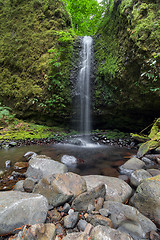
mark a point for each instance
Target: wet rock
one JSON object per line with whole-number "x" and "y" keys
{"x": 147, "y": 198}
{"x": 71, "y": 220}
{"x": 131, "y": 165}
{"x": 83, "y": 200}
{"x": 147, "y": 161}
{"x": 99, "y": 220}
{"x": 124, "y": 178}
{"x": 102, "y": 233}
{"x": 77, "y": 236}
{"x": 12, "y": 144}
{"x": 82, "y": 225}
{"x": 29, "y": 184}
{"x": 116, "y": 189}
{"x": 154, "y": 172}
{"x": 129, "y": 219}
{"x": 19, "y": 186}
{"x": 68, "y": 160}
{"x": 28, "y": 155}
{"x": 17, "y": 175}
{"x": 20, "y": 165}
{"x": 109, "y": 171}
{"x": 18, "y": 209}
{"x": 42, "y": 166}
{"x": 138, "y": 176}
{"x": 147, "y": 146}
{"x": 61, "y": 188}
{"x": 7, "y": 164}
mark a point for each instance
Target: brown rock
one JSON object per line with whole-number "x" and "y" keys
{"x": 20, "y": 165}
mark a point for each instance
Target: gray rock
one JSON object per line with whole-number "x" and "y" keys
{"x": 104, "y": 212}
{"x": 18, "y": 209}
{"x": 154, "y": 172}
{"x": 96, "y": 220}
{"x": 37, "y": 232}
{"x": 147, "y": 198}
{"x": 71, "y": 220}
{"x": 116, "y": 189}
{"x": 7, "y": 164}
{"x": 19, "y": 186}
{"x": 29, "y": 184}
{"x": 82, "y": 225}
{"x": 131, "y": 165}
{"x": 90, "y": 208}
{"x": 12, "y": 144}
{"x": 147, "y": 161}
{"x": 29, "y": 155}
{"x": 61, "y": 188}
{"x": 138, "y": 176}
{"x": 76, "y": 236}
{"x": 83, "y": 200}
{"x": 69, "y": 160}
{"x": 107, "y": 233}
{"x": 66, "y": 208}
{"x": 43, "y": 166}
{"x": 129, "y": 219}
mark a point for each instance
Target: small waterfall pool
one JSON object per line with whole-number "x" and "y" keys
{"x": 90, "y": 159}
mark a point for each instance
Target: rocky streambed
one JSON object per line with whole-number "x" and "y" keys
{"x": 52, "y": 203}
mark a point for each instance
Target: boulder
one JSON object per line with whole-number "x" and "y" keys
{"x": 107, "y": 233}
{"x": 147, "y": 198}
{"x": 77, "y": 236}
{"x": 116, "y": 189}
{"x": 129, "y": 219}
{"x": 138, "y": 176}
{"x": 83, "y": 200}
{"x": 131, "y": 165}
{"x": 43, "y": 166}
{"x": 69, "y": 160}
{"x": 18, "y": 209}
{"x": 60, "y": 188}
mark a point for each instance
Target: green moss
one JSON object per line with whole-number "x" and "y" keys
{"x": 20, "y": 130}
{"x": 27, "y": 33}
{"x": 127, "y": 51}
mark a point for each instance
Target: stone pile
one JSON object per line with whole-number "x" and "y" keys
{"x": 52, "y": 204}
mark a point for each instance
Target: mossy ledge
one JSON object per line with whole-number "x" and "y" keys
{"x": 34, "y": 82}
{"x": 127, "y": 51}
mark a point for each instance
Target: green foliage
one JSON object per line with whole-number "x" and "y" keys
{"x": 28, "y": 30}
{"x": 6, "y": 115}
{"x": 86, "y": 15}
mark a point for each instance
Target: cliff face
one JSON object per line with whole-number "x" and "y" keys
{"x": 35, "y": 58}
{"x": 127, "y": 87}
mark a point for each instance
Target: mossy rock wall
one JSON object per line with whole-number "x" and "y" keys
{"x": 33, "y": 81}
{"x": 127, "y": 86}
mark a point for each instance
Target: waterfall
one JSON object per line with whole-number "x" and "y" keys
{"x": 83, "y": 87}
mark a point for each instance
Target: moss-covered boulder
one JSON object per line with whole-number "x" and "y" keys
{"x": 147, "y": 198}
{"x": 127, "y": 52}
{"x": 36, "y": 41}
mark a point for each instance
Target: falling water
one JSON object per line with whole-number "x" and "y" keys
{"x": 84, "y": 86}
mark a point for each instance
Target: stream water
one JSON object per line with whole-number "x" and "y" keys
{"x": 91, "y": 159}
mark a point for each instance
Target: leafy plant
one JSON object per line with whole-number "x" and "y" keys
{"x": 5, "y": 115}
